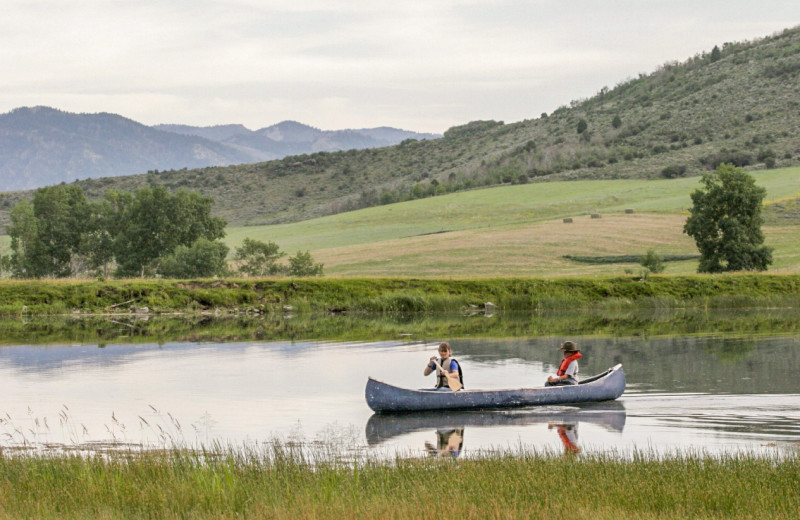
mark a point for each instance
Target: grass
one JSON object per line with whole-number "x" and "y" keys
{"x": 518, "y": 230}
{"x": 278, "y": 481}
{"x": 394, "y": 295}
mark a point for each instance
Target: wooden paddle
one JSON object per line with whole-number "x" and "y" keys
{"x": 452, "y": 381}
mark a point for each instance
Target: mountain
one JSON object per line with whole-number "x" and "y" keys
{"x": 42, "y": 146}
{"x": 293, "y": 138}
{"x": 738, "y": 103}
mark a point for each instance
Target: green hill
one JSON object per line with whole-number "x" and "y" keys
{"x": 738, "y": 103}
{"x": 519, "y": 230}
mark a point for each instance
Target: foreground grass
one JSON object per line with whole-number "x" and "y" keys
{"x": 277, "y": 483}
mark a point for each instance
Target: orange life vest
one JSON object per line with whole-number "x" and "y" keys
{"x": 566, "y": 361}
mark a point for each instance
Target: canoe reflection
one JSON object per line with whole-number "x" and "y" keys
{"x": 383, "y": 427}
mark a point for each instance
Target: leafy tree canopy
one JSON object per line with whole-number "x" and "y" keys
{"x": 725, "y": 221}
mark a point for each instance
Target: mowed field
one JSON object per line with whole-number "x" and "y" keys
{"x": 519, "y": 230}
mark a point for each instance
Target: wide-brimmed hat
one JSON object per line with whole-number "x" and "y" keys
{"x": 569, "y": 346}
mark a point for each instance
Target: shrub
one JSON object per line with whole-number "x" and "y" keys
{"x": 671, "y": 172}
{"x": 303, "y": 265}
{"x": 203, "y": 259}
{"x": 652, "y": 261}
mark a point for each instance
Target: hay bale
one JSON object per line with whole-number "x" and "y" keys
{"x": 567, "y": 220}
{"x": 629, "y": 211}
{"x": 595, "y": 215}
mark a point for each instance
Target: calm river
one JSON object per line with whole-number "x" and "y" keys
{"x": 699, "y": 392}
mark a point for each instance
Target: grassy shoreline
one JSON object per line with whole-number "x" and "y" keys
{"x": 275, "y": 482}
{"x": 391, "y": 295}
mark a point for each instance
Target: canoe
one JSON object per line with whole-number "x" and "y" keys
{"x": 381, "y": 427}
{"x": 383, "y": 397}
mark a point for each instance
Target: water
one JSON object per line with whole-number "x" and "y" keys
{"x": 699, "y": 393}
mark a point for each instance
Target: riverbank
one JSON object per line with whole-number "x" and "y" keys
{"x": 389, "y": 295}
{"x": 278, "y": 482}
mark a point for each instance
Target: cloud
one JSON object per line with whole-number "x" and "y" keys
{"x": 421, "y": 65}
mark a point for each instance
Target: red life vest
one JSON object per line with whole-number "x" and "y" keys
{"x": 566, "y": 361}
{"x": 568, "y": 444}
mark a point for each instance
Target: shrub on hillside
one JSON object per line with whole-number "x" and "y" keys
{"x": 671, "y": 172}
{"x": 733, "y": 157}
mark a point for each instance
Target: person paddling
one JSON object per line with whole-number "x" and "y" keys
{"x": 452, "y": 370}
{"x": 568, "y": 370}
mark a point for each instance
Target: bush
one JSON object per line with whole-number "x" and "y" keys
{"x": 203, "y": 259}
{"x": 303, "y": 265}
{"x": 671, "y": 172}
{"x": 652, "y": 261}
{"x": 733, "y": 157}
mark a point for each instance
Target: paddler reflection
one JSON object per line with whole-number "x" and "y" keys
{"x": 449, "y": 443}
{"x": 568, "y": 433}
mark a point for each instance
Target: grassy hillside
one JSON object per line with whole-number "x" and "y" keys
{"x": 738, "y": 105}
{"x": 518, "y": 230}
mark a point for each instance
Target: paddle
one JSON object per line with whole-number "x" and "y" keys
{"x": 452, "y": 381}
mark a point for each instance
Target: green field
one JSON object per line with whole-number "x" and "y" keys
{"x": 518, "y": 230}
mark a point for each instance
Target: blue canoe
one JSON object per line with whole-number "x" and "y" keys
{"x": 383, "y": 397}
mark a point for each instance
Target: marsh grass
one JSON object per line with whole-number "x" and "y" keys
{"x": 276, "y": 480}
{"x": 394, "y": 295}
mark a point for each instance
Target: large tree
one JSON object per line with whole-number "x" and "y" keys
{"x": 152, "y": 223}
{"x": 47, "y": 232}
{"x": 725, "y": 221}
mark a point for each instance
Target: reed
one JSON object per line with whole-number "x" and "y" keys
{"x": 275, "y": 480}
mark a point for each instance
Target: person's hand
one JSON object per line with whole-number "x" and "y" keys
{"x": 433, "y": 358}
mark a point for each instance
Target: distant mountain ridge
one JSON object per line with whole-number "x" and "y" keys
{"x": 293, "y": 138}
{"x": 42, "y": 146}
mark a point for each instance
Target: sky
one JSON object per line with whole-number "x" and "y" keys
{"x": 421, "y": 65}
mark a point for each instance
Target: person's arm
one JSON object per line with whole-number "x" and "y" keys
{"x": 431, "y": 366}
{"x": 557, "y": 378}
{"x": 453, "y": 368}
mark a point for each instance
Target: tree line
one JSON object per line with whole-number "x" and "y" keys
{"x": 147, "y": 233}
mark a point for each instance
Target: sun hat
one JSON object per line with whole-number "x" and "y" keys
{"x": 569, "y": 346}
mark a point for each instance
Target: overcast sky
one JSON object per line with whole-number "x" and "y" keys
{"x": 418, "y": 65}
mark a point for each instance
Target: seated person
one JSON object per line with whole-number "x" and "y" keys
{"x": 450, "y": 365}
{"x": 568, "y": 370}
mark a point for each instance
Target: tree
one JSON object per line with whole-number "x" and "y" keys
{"x": 616, "y": 122}
{"x": 203, "y": 259}
{"x": 258, "y": 258}
{"x": 716, "y": 54}
{"x": 152, "y": 223}
{"x": 46, "y": 233}
{"x": 303, "y": 265}
{"x": 725, "y": 221}
{"x": 582, "y": 126}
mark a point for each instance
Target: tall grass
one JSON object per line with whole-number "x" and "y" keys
{"x": 392, "y": 295}
{"x": 278, "y": 481}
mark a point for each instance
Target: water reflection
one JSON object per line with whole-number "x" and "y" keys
{"x": 448, "y": 427}
{"x": 568, "y": 433}
{"x": 449, "y": 443}
{"x": 700, "y": 390}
